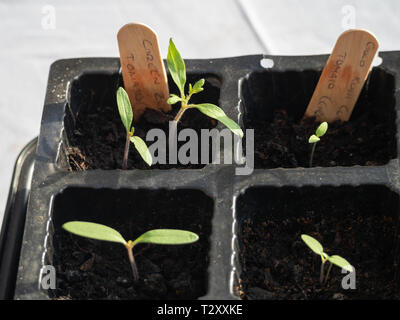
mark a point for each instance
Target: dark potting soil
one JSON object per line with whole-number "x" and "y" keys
{"x": 97, "y": 139}
{"x": 278, "y": 265}
{"x": 366, "y": 141}
{"x": 274, "y": 104}
{"x": 90, "y": 269}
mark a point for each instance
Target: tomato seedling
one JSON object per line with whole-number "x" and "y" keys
{"x": 157, "y": 236}
{"x": 321, "y": 130}
{"x": 317, "y": 248}
{"x": 177, "y": 69}
{"x": 126, "y": 114}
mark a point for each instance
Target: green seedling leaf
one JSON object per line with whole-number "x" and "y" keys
{"x": 313, "y": 139}
{"x": 141, "y": 147}
{"x": 124, "y": 108}
{"x": 198, "y": 86}
{"x": 94, "y": 231}
{"x": 176, "y": 67}
{"x": 174, "y": 99}
{"x": 313, "y": 244}
{"x": 217, "y": 113}
{"x": 341, "y": 263}
{"x": 167, "y": 236}
{"x": 321, "y": 130}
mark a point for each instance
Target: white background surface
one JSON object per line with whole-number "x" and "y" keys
{"x": 33, "y": 34}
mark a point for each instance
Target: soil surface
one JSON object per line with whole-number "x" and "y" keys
{"x": 366, "y": 141}
{"x": 90, "y": 269}
{"x": 97, "y": 139}
{"x": 278, "y": 265}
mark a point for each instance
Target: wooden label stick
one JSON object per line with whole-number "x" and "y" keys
{"x": 343, "y": 76}
{"x": 143, "y": 70}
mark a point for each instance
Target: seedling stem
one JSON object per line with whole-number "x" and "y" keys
{"x": 321, "y": 130}
{"x": 129, "y": 246}
{"x": 180, "y": 112}
{"x": 126, "y": 151}
{"x": 312, "y": 153}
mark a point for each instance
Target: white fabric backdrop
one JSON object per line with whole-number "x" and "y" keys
{"x": 33, "y": 34}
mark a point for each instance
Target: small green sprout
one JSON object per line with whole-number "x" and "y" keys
{"x": 177, "y": 68}
{"x": 317, "y": 248}
{"x": 157, "y": 236}
{"x": 321, "y": 130}
{"x": 126, "y": 114}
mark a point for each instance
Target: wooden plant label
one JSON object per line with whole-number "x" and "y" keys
{"x": 143, "y": 70}
{"x": 343, "y": 76}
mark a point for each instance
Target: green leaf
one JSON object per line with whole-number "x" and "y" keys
{"x": 141, "y": 147}
{"x": 167, "y": 236}
{"x": 313, "y": 139}
{"x": 94, "y": 231}
{"x": 341, "y": 262}
{"x": 321, "y": 130}
{"x": 176, "y": 67}
{"x": 313, "y": 244}
{"x": 198, "y": 86}
{"x": 216, "y": 112}
{"x": 173, "y": 99}
{"x": 124, "y": 108}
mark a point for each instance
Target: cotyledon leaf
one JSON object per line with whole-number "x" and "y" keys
{"x": 124, "y": 108}
{"x": 341, "y": 262}
{"x": 313, "y": 244}
{"x": 167, "y": 236}
{"x": 94, "y": 231}
{"x": 141, "y": 147}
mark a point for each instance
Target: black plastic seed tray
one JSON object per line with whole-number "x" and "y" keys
{"x": 246, "y": 90}
{"x": 12, "y": 227}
